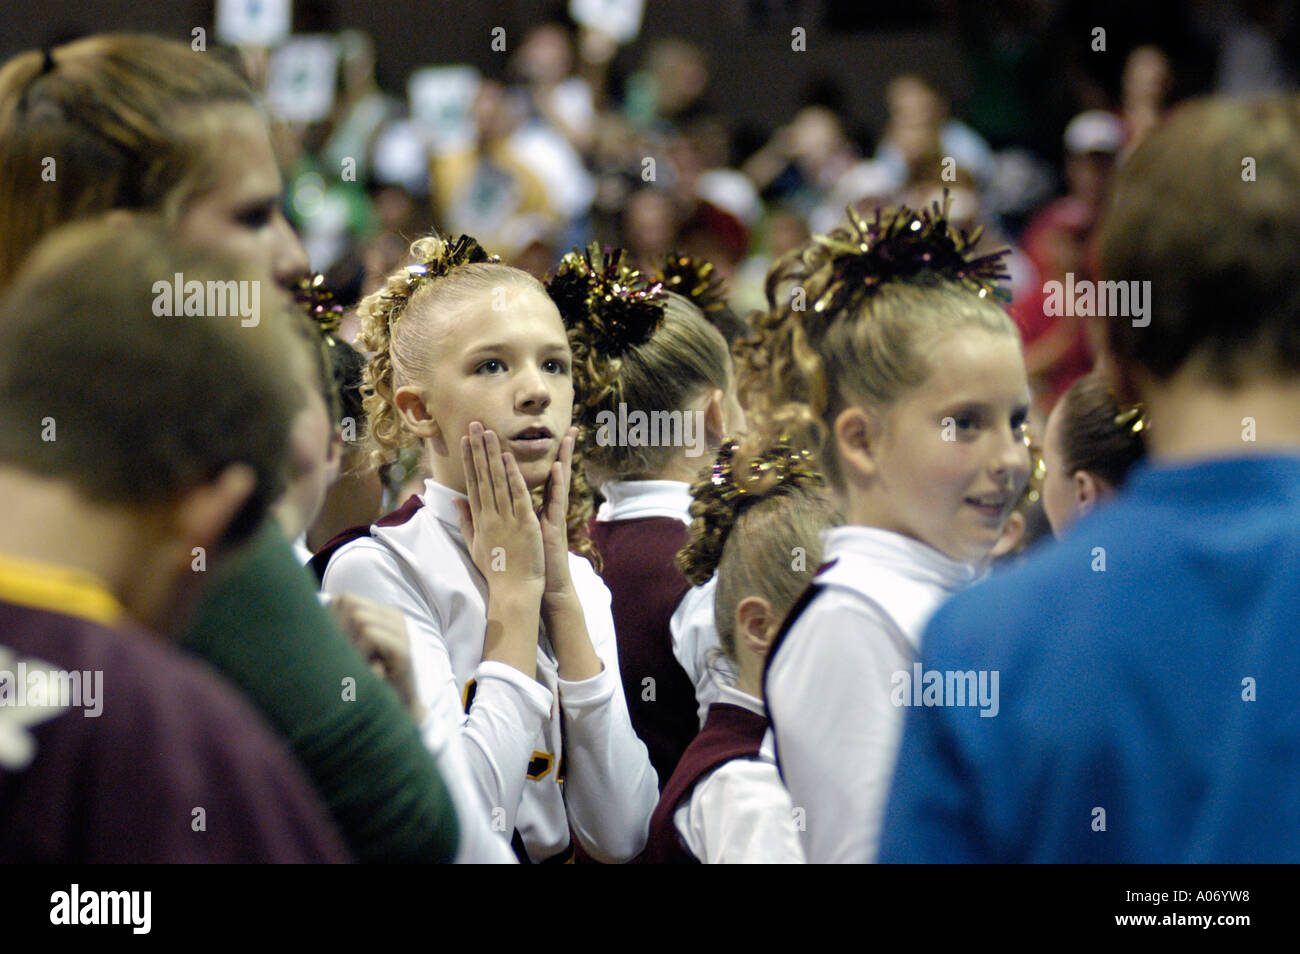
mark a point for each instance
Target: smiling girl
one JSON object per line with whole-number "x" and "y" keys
{"x": 472, "y": 362}
{"x": 907, "y": 380}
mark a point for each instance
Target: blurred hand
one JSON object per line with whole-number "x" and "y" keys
{"x": 379, "y": 634}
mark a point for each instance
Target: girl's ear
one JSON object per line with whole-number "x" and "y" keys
{"x": 756, "y": 625}
{"x": 857, "y": 439}
{"x": 415, "y": 414}
{"x": 715, "y": 419}
{"x": 1088, "y": 490}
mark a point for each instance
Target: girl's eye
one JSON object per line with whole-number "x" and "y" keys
{"x": 555, "y": 366}
{"x": 967, "y": 422}
{"x": 1019, "y": 421}
{"x": 256, "y": 218}
{"x": 491, "y": 366}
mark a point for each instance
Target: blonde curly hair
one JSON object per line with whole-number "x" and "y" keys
{"x": 400, "y": 327}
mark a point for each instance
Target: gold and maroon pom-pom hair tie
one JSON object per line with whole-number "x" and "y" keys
{"x": 721, "y": 495}
{"x": 611, "y": 306}
{"x": 696, "y": 280}
{"x": 318, "y": 303}
{"x": 777, "y": 466}
{"x": 462, "y": 250}
{"x": 899, "y": 244}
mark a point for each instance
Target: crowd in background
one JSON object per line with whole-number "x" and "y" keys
{"x": 563, "y": 150}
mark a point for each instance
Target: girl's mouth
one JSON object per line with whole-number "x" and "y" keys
{"x": 533, "y": 441}
{"x": 992, "y": 508}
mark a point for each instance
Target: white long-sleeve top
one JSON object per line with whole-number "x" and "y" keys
{"x": 829, "y": 684}
{"x": 694, "y": 634}
{"x": 740, "y": 813}
{"x": 479, "y": 842}
{"x": 518, "y": 733}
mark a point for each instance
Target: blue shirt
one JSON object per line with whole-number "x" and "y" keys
{"x": 1149, "y": 682}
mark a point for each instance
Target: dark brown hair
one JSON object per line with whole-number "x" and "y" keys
{"x": 1090, "y": 438}
{"x": 130, "y": 406}
{"x": 1207, "y": 209}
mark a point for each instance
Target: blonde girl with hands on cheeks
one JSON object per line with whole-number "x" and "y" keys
{"x": 884, "y": 352}
{"x": 512, "y": 641}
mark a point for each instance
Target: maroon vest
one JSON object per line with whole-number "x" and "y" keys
{"x": 336, "y": 543}
{"x": 730, "y": 732}
{"x": 646, "y": 587}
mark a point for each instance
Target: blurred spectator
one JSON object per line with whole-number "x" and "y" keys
{"x": 669, "y": 90}
{"x": 1057, "y": 241}
{"x": 557, "y": 126}
{"x": 1254, "y": 48}
{"x": 1147, "y": 82}
{"x": 544, "y": 63}
{"x": 919, "y": 126}
{"x": 803, "y": 162}
{"x": 484, "y": 189}
{"x": 784, "y": 231}
{"x": 651, "y": 220}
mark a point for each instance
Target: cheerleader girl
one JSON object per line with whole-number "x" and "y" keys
{"x": 471, "y": 360}
{"x": 884, "y": 351}
{"x": 672, "y": 382}
{"x": 1092, "y": 442}
{"x": 757, "y": 523}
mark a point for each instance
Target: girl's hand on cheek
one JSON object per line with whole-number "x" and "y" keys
{"x": 503, "y": 533}
{"x": 555, "y": 512}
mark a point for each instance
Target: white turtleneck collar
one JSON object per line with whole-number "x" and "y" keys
{"x": 438, "y": 499}
{"x": 635, "y": 499}
{"x": 918, "y": 560}
{"x": 906, "y": 579}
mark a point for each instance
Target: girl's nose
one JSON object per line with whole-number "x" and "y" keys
{"x": 288, "y": 257}
{"x": 1012, "y": 461}
{"x": 533, "y": 390}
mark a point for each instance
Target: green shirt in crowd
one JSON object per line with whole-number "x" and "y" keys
{"x": 261, "y": 626}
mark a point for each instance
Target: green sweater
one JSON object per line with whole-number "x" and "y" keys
{"x": 261, "y": 625}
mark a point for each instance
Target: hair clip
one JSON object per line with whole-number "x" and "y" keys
{"x": 318, "y": 303}
{"x": 1132, "y": 418}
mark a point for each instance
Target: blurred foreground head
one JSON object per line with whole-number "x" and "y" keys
{"x": 163, "y": 431}
{"x": 121, "y": 121}
{"x": 1207, "y": 210}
